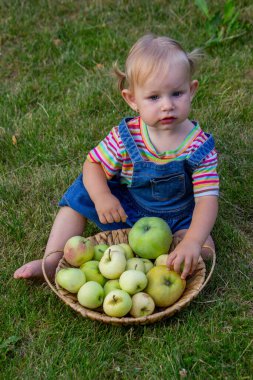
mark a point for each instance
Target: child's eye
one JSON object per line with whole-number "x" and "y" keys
{"x": 153, "y": 97}
{"x": 177, "y": 93}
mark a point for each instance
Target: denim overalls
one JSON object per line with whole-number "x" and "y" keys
{"x": 164, "y": 191}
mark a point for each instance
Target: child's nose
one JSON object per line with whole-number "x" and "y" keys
{"x": 167, "y": 105}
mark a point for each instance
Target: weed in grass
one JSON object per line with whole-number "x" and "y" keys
{"x": 222, "y": 25}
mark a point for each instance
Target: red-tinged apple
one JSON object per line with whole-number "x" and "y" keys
{"x": 99, "y": 250}
{"x": 147, "y": 265}
{"x": 128, "y": 250}
{"x": 117, "y": 303}
{"x": 133, "y": 281}
{"x": 92, "y": 272}
{"x": 150, "y": 237}
{"x": 162, "y": 259}
{"x": 78, "y": 250}
{"x": 142, "y": 305}
{"x": 70, "y": 279}
{"x": 111, "y": 285}
{"x": 113, "y": 262}
{"x": 135, "y": 263}
{"x": 91, "y": 295}
{"x": 164, "y": 286}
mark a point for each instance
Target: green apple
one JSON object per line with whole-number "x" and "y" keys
{"x": 78, "y": 250}
{"x": 92, "y": 272}
{"x": 150, "y": 237}
{"x": 111, "y": 285}
{"x": 113, "y": 262}
{"x": 135, "y": 263}
{"x": 99, "y": 250}
{"x": 162, "y": 259}
{"x": 164, "y": 286}
{"x": 70, "y": 279}
{"x": 117, "y": 303}
{"x": 133, "y": 281}
{"x": 128, "y": 250}
{"x": 91, "y": 295}
{"x": 142, "y": 304}
{"x": 147, "y": 265}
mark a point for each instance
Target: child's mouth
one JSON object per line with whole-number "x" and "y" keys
{"x": 167, "y": 120}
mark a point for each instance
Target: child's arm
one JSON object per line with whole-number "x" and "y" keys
{"x": 189, "y": 249}
{"x": 107, "y": 205}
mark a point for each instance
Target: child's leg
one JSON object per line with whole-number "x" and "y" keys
{"x": 67, "y": 223}
{"x": 207, "y": 249}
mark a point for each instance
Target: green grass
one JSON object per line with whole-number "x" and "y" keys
{"x": 58, "y": 100}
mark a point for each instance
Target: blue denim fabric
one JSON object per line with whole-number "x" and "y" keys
{"x": 164, "y": 191}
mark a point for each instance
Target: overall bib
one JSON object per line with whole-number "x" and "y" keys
{"x": 163, "y": 191}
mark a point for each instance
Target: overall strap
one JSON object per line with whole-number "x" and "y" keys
{"x": 195, "y": 159}
{"x": 128, "y": 141}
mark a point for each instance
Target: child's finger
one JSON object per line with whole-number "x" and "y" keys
{"x": 102, "y": 219}
{"x": 123, "y": 215}
{"x": 177, "y": 264}
{"x": 187, "y": 268}
{"x": 194, "y": 264}
{"x": 109, "y": 218}
{"x": 171, "y": 259}
{"x": 116, "y": 216}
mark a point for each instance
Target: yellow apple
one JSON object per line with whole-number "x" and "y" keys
{"x": 70, "y": 279}
{"x": 91, "y": 295}
{"x": 111, "y": 285}
{"x": 164, "y": 286}
{"x": 128, "y": 250}
{"x": 92, "y": 272}
{"x": 162, "y": 259}
{"x": 142, "y": 304}
{"x": 113, "y": 262}
{"x": 99, "y": 250}
{"x": 135, "y": 263}
{"x": 147, "y": 265}
{"x": 117, "y": 303}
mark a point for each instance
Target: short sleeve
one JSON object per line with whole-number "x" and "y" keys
{"x": 205, "y": 178}
{"x": 108, "y": 153}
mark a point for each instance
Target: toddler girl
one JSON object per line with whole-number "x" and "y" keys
{"x": 159, "y": 163}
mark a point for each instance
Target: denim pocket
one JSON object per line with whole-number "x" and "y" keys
{"x": 165, "y": 188}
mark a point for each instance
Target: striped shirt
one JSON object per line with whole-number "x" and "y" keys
{"x": 113, "y": 157}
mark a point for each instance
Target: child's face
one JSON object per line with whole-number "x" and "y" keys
{"x": 164, "y": 101}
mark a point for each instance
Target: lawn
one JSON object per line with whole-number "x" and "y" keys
{"x": 58, "y": 100}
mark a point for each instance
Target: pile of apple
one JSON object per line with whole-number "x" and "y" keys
{"x": 124, "y": 278}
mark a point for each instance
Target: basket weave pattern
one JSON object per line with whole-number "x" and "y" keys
{"x": 194, "y": 285}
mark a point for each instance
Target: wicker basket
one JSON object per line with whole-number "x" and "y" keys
{"x": 194, "y": 285}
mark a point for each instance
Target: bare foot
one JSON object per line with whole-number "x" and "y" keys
{"x": 30, "y": 270}
{"x": 33, "y": 269}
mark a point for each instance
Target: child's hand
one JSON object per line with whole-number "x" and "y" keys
{"x": 109, "y": 209}
{"x": 186, "y": 252}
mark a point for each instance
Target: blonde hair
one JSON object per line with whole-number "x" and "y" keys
{"x": 152, "y": 55}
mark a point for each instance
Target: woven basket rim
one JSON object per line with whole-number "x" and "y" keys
{"x": 194, "y": 285}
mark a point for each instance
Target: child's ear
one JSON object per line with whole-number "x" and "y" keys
{"x": 128, "y": 96}
{"x": 193, "y": 87}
